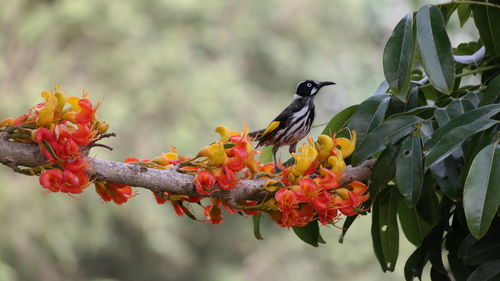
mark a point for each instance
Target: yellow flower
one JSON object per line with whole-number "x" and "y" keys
{"x": 172, "y": 155}
{"x": 46, "y": 114}
{"x": 215, "y": 153}
{"x": 324, "y": 147}
{"x": 165, "y": 158}
{"x": 73, "y": 101}
{"x": 337, "y": 163}
{"x": 226, "y": 133}
{"x": 61, "y": 101}
{"x": 306, "y": 156}
{"x": 347, "y": 146}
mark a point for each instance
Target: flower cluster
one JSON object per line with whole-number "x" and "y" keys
{"x": 63, "y": 127}
{"x": 312, "y": 189}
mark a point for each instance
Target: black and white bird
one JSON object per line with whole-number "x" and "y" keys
{"x": 295, "y": 121}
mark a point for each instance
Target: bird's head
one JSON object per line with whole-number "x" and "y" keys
{"x": 309, "y": 88}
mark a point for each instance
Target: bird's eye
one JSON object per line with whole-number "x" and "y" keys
{"x": 309, "y": 85}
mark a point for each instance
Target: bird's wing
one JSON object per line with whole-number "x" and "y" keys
{"x": 279, "y": 122}
{"x": 270, "y": 128}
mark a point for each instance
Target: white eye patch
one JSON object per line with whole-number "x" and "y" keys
{"x": 309, "y": 85}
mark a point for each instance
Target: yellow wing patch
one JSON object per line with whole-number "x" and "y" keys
{"x": 271, "y": 127}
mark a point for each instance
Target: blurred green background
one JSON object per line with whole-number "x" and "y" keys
{"x": 168, "y": 72}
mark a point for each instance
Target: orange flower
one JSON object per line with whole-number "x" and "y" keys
{"x": 329, "y": 179}
{"x": 308, "y": 190}
{"x": 287, "y": 199}
{"x": 204, "y": 182}
{"x": 119, "y": 193}
{"x": 325, "y": 208}
{"x": 297, "y": 217}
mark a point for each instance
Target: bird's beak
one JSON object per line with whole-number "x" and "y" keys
{"x": 325, "y": 83}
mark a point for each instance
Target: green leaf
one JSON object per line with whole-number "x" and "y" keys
{"x": 425, "y": 112}
{"x": 387, "y": 133}
{"x": 382, "y": 88}
{"x": 446, "y": 174}
{"x": 384, "y": 170}
{"x": 398, "y": 55}
{"x": 487, "y": 20}
{"x": 464, "y": 12}
{"x": 454, "y": 109}
{"x": 481, "y": 190}
{"x": 339, "y": 121}
{"x": 453, "y": 139}
{"x": 409, "y": 170}
{"x": 486, "y": 271}
{"x": 459, "y": 269}
{"x": 474, "y": 252}
{"x": 347, "y": 223}
{"x": 396, "y": 106}
{"x": 435, "y": 48}
{"x": 428, "y": 205}
{"x": 256, "y": 226}
{"x": 267, "y": 154}
{"x": 464, "y": 119}
{"x": 309, "y": 233}
{"x": 369, "y": 115}
{"x": 477, "y": 142}
{"x": 412, "y": 99}
{"x": 414, "y": 227}
{"x": 447, "y": 11}
{"x": 385, "y": 234}
{"x": 415, "y": 264}
{"x": 492, "y": 92}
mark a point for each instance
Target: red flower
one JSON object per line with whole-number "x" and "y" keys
{"x": 308, "y": 190}
{"x": 86, "y": 114}
{"x": 213, "y": 213}
{"x": 344, "y": 206}
{"x": 227, "y": 179}
{"x": 83, "y": 135}
{"x": 52, "y": 180}
{"x": 119, "y": 193}
{"x": 159, "y": 198}
{"x": 75, "y": 177}
{"x": 204, "y": 182}
{"x": 330, "y": 180}
{"x": 297, "y": 217}
{"x": 287, "y": 199}
{"x": 357, "y": 195}
{"x": 131, "y": 160}
{"x": 325, "y": 208}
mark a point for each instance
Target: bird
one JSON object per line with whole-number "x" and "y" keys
{"x": 294, "y": 122}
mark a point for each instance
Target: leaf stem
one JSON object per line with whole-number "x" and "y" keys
{"x": 477, "y": 70}
{"x": 488, "y": 4}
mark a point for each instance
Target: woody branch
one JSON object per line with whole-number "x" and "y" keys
{"x": 16, "y": 154}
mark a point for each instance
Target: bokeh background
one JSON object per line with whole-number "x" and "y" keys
{"x": 167, "y": 72}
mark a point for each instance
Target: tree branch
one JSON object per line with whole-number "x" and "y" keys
{"x": 15, "y": 154}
